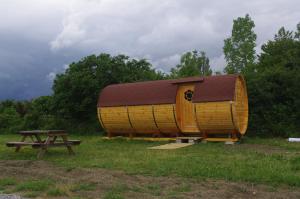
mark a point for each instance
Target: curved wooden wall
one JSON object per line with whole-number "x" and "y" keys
{"x": 165, "y": 118}
{"x": 142, "y": 119}
{"x": 115, "y": 120}
{"x": 240, "y": 106}
{"x": 211, "y": 117}
{"x": 148, "y": 119}
{"x": 214, "y": 117}
{"x": 226, "y": 116}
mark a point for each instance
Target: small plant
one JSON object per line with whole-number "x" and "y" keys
{"x": 83, "y": 187}
{"x": 155, "y": 189}
{"x": 7, "y": 182}
{"x": 116, "y": 192}
{"x": 34, "y": 185}
{"x": 56, "y": 192}
{"x": 113, "y": 195}
{"x": 33, "y": 194}
{"x": 185, "y": 187}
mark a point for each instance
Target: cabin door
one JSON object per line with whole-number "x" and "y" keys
{"x": 185, "y": 109}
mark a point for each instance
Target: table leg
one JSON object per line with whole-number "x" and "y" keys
{"x": 38, "y": 138}
{"x": 44, "y": 147}
{"x": 54, "y": 139}
{"x": 65, "y": 139}
{"x": 22, "y": 140}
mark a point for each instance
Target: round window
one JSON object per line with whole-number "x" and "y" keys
{"x": 188, "y": 95}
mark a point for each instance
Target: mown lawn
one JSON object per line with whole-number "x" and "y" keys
{"x": 266, "y": 161}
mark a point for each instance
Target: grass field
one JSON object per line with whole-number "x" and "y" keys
{"x": 272, "y": 162}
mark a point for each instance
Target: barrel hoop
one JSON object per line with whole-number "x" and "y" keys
{"x": 129, "y": 119}
{"x": 232, "y": 117}
{"x": 175, "y": 119}
{"x": 100, "y": 119}
{"x": 155, "y": 119}
{"x": 196, "y": 118}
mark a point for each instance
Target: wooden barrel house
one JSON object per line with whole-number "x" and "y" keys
{"x": 210, "y": 107}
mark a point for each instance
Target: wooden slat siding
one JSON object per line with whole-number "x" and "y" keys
{"x": 214, "y": 117}
{"x": 234, "y": 122}
{"x": 155, "y": 122}
{"x": 100, "y": 120}
{"x": 131, "y": 133}
{"x": 240, "y": 107}
{"x": 175, "y": 116}
{"x": 142, "y": 119}
{"x": 185, "y": 110}
{"x": 196, "y": 118}
{"x": 115, "y": 120}
{"x": 164, "y": 117}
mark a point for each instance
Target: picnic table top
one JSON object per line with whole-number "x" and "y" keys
{"x": 46, "y": 132}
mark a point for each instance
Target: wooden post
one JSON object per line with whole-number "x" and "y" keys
{"x": 44, "y": 148}
{"x": 65, "y": 139}
{"x": 22, "y": 140}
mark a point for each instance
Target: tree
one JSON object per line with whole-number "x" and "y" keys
{"x": 283, "y": 51}
{"x": 273, "y": 88}
{"x": 239, "y": 48}
{"x": 192, "y": 64}
{"x": 297, "y": 34}
{"x": 76, "y": 91}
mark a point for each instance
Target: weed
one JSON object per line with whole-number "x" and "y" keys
{"x": 34, "y": 185}
{"x": 83, "y": 187}
{"x": 56, "y": 192}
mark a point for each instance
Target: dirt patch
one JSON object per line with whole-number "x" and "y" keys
{"x": 107, "y": 183}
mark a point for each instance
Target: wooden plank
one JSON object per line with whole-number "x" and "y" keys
{"x": 171, "y": 146}
{"x": 115, "y": 120}
{"x": 240, "y": 106}
{"x": 158, "y": 139}
{"x": 17, "y": 144}
{"x": 164, "y": 117}
{"x": 185, "y": 110}
{"x": 214, "y": 117}
{"x": 57, "y": 144}
{"x": 142, "y": 120}
{"x": 221, "y": 139}
{"x": 35, "y": 132}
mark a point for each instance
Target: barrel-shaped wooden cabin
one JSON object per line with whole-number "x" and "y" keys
{"x": 214, "y": 106}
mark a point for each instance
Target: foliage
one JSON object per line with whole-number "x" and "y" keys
{"x": 239, "y": 48}
{"x": 192, "y": 64}
{"x": 10, "y": 119}
{"x": 273, "y": 88}
{"x": 76, "y": 91}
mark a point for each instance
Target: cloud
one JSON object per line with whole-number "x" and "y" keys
{"x": 218, "y": 63}
{"x": 39, "y": 37}
{"x": 51, "y": 76}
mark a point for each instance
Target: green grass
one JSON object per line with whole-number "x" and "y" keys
{"x": 83, "y": 187}
{"x": 34, "y": 185}
{"x": 116, "y": 192}
{"x": 7, "y": 182}
{"x": 56, "y": 192}
{"x": 154, "y": 189}
{"x": 201, "y": 161}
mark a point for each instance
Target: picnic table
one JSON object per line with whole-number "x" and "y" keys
{"x": 51, "y": 140}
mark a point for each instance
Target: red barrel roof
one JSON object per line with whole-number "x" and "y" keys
{"x": 207, "y": 89}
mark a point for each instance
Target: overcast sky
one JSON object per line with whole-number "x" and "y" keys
{"x": 39, "y": 38}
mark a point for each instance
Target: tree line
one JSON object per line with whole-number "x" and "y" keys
{"x": 272, "y": 76}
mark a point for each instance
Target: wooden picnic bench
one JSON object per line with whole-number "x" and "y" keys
{"x": 50, "y": 140}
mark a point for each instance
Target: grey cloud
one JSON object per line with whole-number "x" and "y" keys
{"x": 39, "y": 38}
